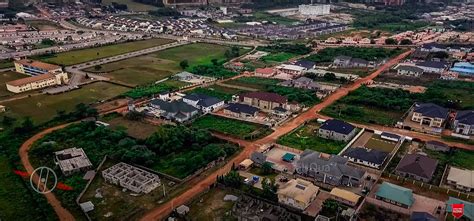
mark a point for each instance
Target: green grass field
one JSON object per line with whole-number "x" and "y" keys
{"x": 156, "y": 66}
{"x": 254, "y": 82}
{"x": 8, "y": 76}
{"x": 365, "y": 114}
{"x": 376, "y": 143}
{"x": 6, "y": 64}
{"x": 229, "y": 126}
{"x": 278, "y": 57}
{"x": 132, "y": 5}
{"x": 224, "y": 93}
{"x": 42, "y": 108}
{"x": 84, "y": 55}
{"x": 306, "y": 138}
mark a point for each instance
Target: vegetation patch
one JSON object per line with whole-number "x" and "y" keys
{"x": 237, "y": 128}
{"x": 306, "y": 137}
{"x": 254, "y": 82}
{"x": 221, "y": 92}
{"x": 6, "y": 77}
{"x": 277, "y": 57}
{"x": 367, "y": 53}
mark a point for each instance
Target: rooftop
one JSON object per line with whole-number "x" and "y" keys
{"x": 38, "y": 64}
{"x": 28, "y": 80}
{"x": 462, "y": 177}
{"x": 468, "y": 207}
{"x": 369, "y": 155}
{"x": 409, "y": 68}
{"x": 338, "y": 126}
{"x": 345, "y": 194}
{"x": 417, "y": 164}
{"x": 242, "y": 108}
{"x": 265, "y": 96}
{"x": 431, "y": 110}
{"x": 298, "y": 189}
{"x": 395, "y": 193}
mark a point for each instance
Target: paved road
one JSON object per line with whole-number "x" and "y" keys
{"x": 61, "y": 212}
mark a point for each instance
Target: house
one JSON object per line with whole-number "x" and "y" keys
{"x": 409, "y": 70}
{"x": 266, "y": 101}
{"x": 241, "y": 110}
{"x": 366, "y": 157}
{"x": 245, "y": 164}
{"x": 390, "y": 136}
{"x": 265, "y": 72}
{"x": 175, "y": 110}
{"x": 329, "y": 169}
{"x": 258, "y": 158}
{"x": 432, "y": 66}
{"x": 461, "y": 179}
{"x": 463, "y": 68}
{"x": 203, "y": 102}
{"x": 288, "y": 71}
{"x": 72, "y": 160}
{"x": 337, "y": 130}
{"x": 422, "y": 216}
{"x": 342, "y": 61}
{"x": 349, "y": 62}
{"x": 237, "y": 66}
{"x": 33, "y": 68}
{"x": 344, "y": 196}
{"x": 429, "y": 114}
{"x": 464, "y": 122}
{"x": 468, "y": 212}
{"x": 301, "y": 82}
{"x": 437, "y": 146}
{"x": 37, "y": 82}
{"x": 281, "y": 112}
{"x": 359, "y": 63}
{"x": 297, "y": 193}
{"x": 396, "y": 195}
{"x": 305, "y": 63}
{"x": 417, "y": 166}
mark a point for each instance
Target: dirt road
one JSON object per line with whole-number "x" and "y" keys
{"x": 61, "y": 212}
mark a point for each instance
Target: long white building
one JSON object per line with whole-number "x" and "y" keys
{"x": 314, "y": 10}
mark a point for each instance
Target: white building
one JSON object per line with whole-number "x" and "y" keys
{"x": 314, "y": 10}
{"x": 289, "y": 71}
{"x": 37, "y": 82}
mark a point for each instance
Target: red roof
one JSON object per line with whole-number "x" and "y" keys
{"x": 265, "y": 96}
{"x": 27, "y": 80}
{"x": 266, "y": 71}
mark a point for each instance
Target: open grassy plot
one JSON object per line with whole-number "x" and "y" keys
{"x": 277, "y": 57}
{"x": 306, "y": 137}
{"x": 211, "y": 206}
{"x": 376, "y": 143}
{"x": 42, "y": 108}
{"x": 43, "y": 25}
{"x": 84, "y": 55}
{"x": 363, "y": 114}
{"x": 263, "y": 16}
{"x": 447, "y": 91}
{"x": 6, "y": 64}
{"x": 231, "y": 127}
{"x": 135, "y": 129}
{"x": 221, "y": 92}
{"x": 132, "y": 5}
{"x": 156, "y": 66}
{"x": 8, "y": 76}
{"x": 254, "y": 82}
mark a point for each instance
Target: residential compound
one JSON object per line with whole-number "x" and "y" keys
{"x": 42, "y": 75}
{"x": 132, "y": 178}
{"x": 396, "y": 195}
{"x": 72, "y": 160}
{"x": 429, "y": 114}
{"x": 266, "y": 101}
{"x": 461, "y": 179}
{"x": 203, "y": 102}
{"x": 337, "y": 130}
{"x": 297, "y": 193}
{"x": 417, "y": 166}
{"x": 464, "y": 123}
{"x": 178, "y": 111}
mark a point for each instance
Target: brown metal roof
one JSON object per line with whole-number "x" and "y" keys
{"x": 265, "y": 96}
{"x": 27, "y": 80}
{"x": 38, "y": 64}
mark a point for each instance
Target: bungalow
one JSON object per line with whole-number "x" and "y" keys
{"x": 329, "y": 169}
{"x": 468, "y": 212}
{"x": 297, "y": 193}
{"x": 432, "y": 66}
{"x": 396, "y": 195}
{"x": 265, "y": 72}
{"x": 281, "y": 112}
{"x": 390, "y": 136}
{"x": 429, "y": 114}
{"x": 366, "y": 157}
{"x": 464, "y": 122}
{"x": 203, "y": 102}
{"x": 342, "y": 61}
{"x": 241, "y": 110}
{"x": 301, "y": 82}
{"x": 337, "y": 130}
{"x": 416, "y": 166}
{"x": 175, "y": 110}
{"x": 305, "y": 63}
{"x": 258, "y": 158}
{"x": 264, "y": 100}
{"x": 461, "y": 179}
{"x": 344, "y": 196}
{"x": 288, "y": 71}
{"x": 409, "y": 70}
{"x": 437, "y": 146}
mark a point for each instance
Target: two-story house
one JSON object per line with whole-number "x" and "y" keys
{"x": 266, "y": 101}
{"x": 409, "y": 70}
{"x": 337, "y": 130}
{"x": 366, "y": 157}
{"x": 203, "y": 102}
{"x": 297, "y": 193}
{"x": 464, "y": 123}
{"x": 429, "y": 114}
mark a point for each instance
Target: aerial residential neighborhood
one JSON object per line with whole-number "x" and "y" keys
{"x": 295, "y": 110}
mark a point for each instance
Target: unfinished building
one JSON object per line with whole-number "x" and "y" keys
{"x": 72, "y": 160}
{"x": 132, "y": 178}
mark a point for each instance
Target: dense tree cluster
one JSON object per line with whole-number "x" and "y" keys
{"x": 301, "y": 96}
{"x": 164, "y": 12}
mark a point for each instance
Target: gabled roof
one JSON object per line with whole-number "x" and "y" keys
{"x": 359, "y": 61}
{"x": 334, "y": 165}
{"x": 27, "y": 80}
{"x": 396, "y": 193}
{"x": 305, "y": 63}
{"x": 417, "y": 164}
{"x": 386, "y": 134}
{"x": 432, "y": 64}
{"x": 258, "y": 157}
{"x": 304, "y": 80}
{"x": 468, "y": 207}
{"x": 409, "y": 68}
{"x": 431, "y": 110}
{"x": 174, "y": 106}
{"x": 337, "y": 126}
{"x": 298, "y": 189}
{"x": 462, "y": 177}
{"x": 242, "y": 108}
{"x": 422, "y": 216}
{"x": 465, "y": 117}
{"x": 368, "y": 155}
{"x": 38, "y": 64}
{"x": 203, "y": 99}
{"x": 265, "y": 96}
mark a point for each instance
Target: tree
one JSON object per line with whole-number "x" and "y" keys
{"x": 330, "y": 76}
{"x": 97, "y": 67}
{"x": 406, "y": 42}
{"x": 390, "y": 41}
{"x": 214, "y": 62}
{"x": 267, "y": 168}
{"x": 330, "y": 206}
{"x": 8, "y": 121}
{"x": 135, "y": 115}
{"x": 184, "y": 64}
{"x": 48, "y": 42}
{"x": 26, "y": 126}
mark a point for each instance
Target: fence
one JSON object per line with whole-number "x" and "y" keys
{"x": 352, "y": 141}
{"x": 387, "y": 205}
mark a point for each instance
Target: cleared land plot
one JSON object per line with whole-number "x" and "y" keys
{"x": 254, "y": 82}
{"x": 84, "y": 55}
{"x": 43, "y": 25}
{"x": 211, "y": 206}
{"x": 362, "y": 113}
{"x": 8, "y": 76}
{"x": 135, "y": 129}
{"x": 159, "y": 65}
{"x": 306, "y": 137}
{"x": 132, "y": 5}
{"x": 218, "y": 91}
{"x": 231, "y": 127}
{"x": 42, "y": 108}
{"x": 375, "y": 142}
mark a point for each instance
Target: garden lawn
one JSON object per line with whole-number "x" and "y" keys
{"x": 263, "y": 16}
{"x": 306, "y": 138}
{"x": 237, "y": 128}
{"x": 8, "y": 76}
{"x": 42, "y": 108}
{"x": 90, "y": 54}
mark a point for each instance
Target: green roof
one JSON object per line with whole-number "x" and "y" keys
{"x": 395, "y": 193}
{"x": 468, "y": 207}
{"x": 288, "y": 157}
